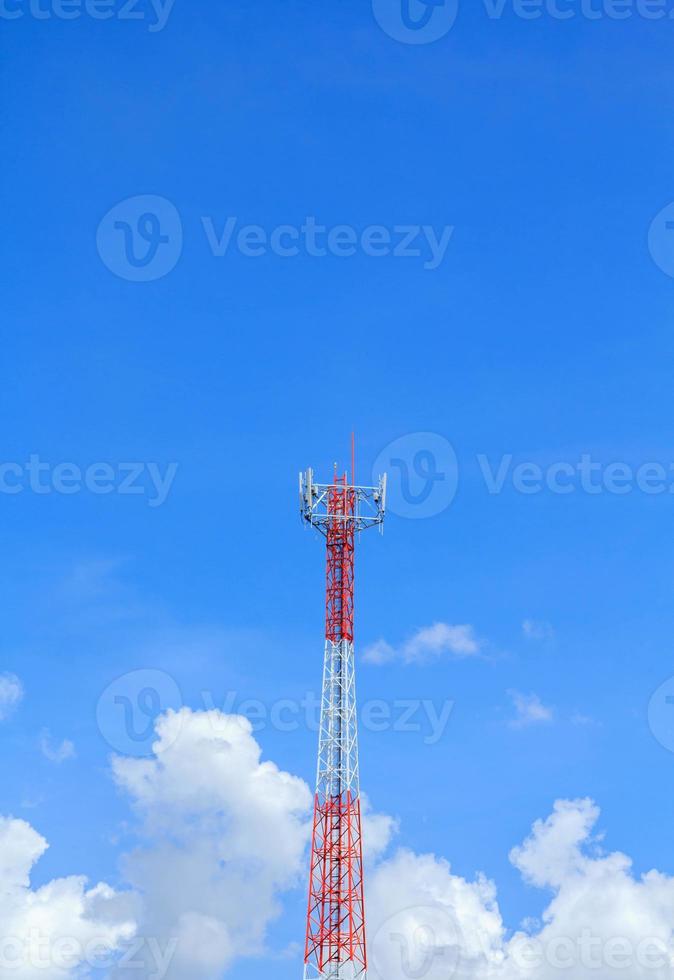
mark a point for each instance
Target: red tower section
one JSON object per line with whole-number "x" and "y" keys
{"x": 340, "y": 553}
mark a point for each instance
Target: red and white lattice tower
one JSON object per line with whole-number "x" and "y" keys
{"x": 335, "y": 938}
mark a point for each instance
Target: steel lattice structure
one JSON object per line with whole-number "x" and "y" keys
{"x": 335, "y": 938}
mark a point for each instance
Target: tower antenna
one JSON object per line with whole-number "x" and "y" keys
{"x": 336, "y": 947}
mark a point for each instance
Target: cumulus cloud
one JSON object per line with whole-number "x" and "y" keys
{"x": 224, "y": 835}
{"x": 553, "y": 852}
{"x": 60, "y": 929}
{"x": 529, "y": 710}
{"x": 11, "y": 693}
{"x": 424, "y": 921}
{"x": 602, "y": 917}
{"x": 379, "y": 829}
{"x": 427, "y": 644}
{"x": 602, "y": 922}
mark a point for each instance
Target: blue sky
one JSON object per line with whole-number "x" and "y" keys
{"x": 544, "y": 332}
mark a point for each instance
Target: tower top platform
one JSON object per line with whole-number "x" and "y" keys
{"x": 324, "y": 504}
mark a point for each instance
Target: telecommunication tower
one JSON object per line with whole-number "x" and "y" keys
{"x": 335, "y": 937}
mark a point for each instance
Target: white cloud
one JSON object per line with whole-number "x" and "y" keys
{"x": 426, "y": 922}
{"x": 581, "y": 720}
{"x": 52, "y": 932}
{"x": 229, "y": 829}
{"x": 56, "y": 753}
{"x": 552, "y": 853}
{"x": 427, "y": 644}
{"x": 602, "y": 922}
{"x": 11, "y": 693}
{"x": 537, "y": 630}
{"x": 378, "y": 831}
{"x": 596, "y": 894}
{"x": 529, "y": 710}
{"x": 378, "y": 653}
{"x": 224, "y": 835}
